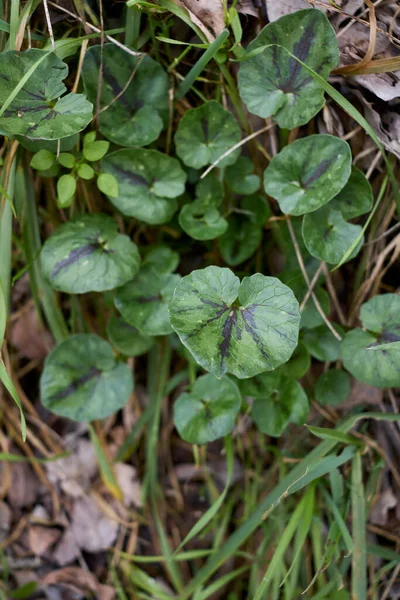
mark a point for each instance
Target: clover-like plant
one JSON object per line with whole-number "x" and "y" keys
{"x": 243, "y": 328}
{"x": 372, "y": 354}
{"x": 133, "y": 94}
{"x": 83, "y": 381}
{"x": 89, "y": 255}
{"x": 148, "y": 184}
{"x": 37, "y": 110}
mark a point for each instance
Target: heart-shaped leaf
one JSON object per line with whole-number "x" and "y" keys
{"x": 322, "y": 344}
{"x": 133, "y": 94}
{"x": 89, "y": 255}
{"x": 231, "y": 327}
{"x": 332, "y": 387}
{"x": 202, "y": 222}
{"x": 355, "y": 198}
{"x": 205, "y": 133}
{"x": 244, "y": 233}
{"x": 308, "y": 173}
{"x": 82, "y": 380}
{"x": 273, "y": 83}
{"x": 148, "y": 182}
{"x": 209, "y": 411}
{"x": 143, "y": 302}
{"x": 162, "y": 258}
{"x": 279, "y": 400}
{"x": 127, "y": 339}
{"x": 310, "y": 316}
{"x": 328, "y": 236}
{"x": 241, "y": 178}
{"x": 37, "y": 111}
{"x": 372, "y": 354}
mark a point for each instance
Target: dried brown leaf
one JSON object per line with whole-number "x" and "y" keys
{"x": 25, "y": 486}
{"x": 129, "y": 484}
{"x": 93, "y": 530}
{"x": 29, "y": 336}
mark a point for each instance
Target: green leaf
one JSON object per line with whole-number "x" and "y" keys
{"x": 126, "y": 338}
{"x": 272, "y": 83}
{"x": 108, "y": 184}
{"x": 135, "y": 117}
{"x": 205, "y": 133}
{"x": 299, "y": 363}
{"x": 231, "y": 327}
{"x": 143, "y": 302}
{"x": 245, "y": 230}
{"x": 360, "y": 350}
{"x": 332, "y": 387}
{"x": 95, "y": 150}
{"x": 64, "y": 144}
{"x": 36, "y": 109}
{"x": 66, "y": 188}
{"x": 209, "y": 411}
{"x": 331, "y": 434}
{"x": 87, "y": 172}
{"x": 328, "y": 236}
{"x": 89, "y": 138}
{"x": 202, "y": 222}
{"x": 279, "y": 401}
{"x": 308, "y": 173}
{"x": 355, "y": 198}
{"x": 67, "y": 160}
{"x": 162, "y": 258}
{"x": 82, "y": 380}
{"x": 42, "y": 160}
{"x": 149, "y": 182}
{"x": 89, "y": 255}
{"x": 10, "y": 387}
{"x": 322, "y": 344}
{"x": 240, "y": 177}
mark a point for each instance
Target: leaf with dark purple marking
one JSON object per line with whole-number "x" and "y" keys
{"x": 204, "y": 134}
{"x": 143, "y": 302}
{"x": 81, "y": 379}
{"x": 209, "y": 411}
{"x": 273, "y": 83}
{"x": 148, "y": 184}
{"x": 231, "y": 327}
{"x": 133, "y": 94}
{"x": 308, "y": 173}
{"x": 372, "y": 354}
{"x": 89, "y": 255}
{"x": 38, "y": 111}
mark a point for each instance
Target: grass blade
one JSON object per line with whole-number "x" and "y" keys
{"x": 8, "y": 384}
{"x": 106, "y": 470}
{"x": 359, "y": 562}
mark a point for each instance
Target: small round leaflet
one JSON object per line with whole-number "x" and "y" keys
{"x": 204, "y": 134}
{"x": 89, "y": 255}
{"x": 126, "y": 338}
{"x": 273, "y": 83}
{"x": 308, "y": 173}
{"x": 372, "y": 354}
{"x": 148, "y": 184}
{"x": 82, "y": 380}
{"x": 208, "y": 412}
{"x": 231, "y": 327}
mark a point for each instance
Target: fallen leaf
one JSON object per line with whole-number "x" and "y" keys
{"x": 278, "y": 8}
{"x": 25, "y": 486}
{"x": 40, "y": 536}
{"x": 29, "y": 336}
{"x": 80, "y": 580}
{"x": 247, "y": 7}
{"x": 67, "y": 550}
{"x": 209, "y": 12}
{"x": 379, "y": 513}
{"x": 75, "y": 472}
{"x": 386, "y": 126}
{"x": 127, "y": 480}
{"x": 93, "y": 530}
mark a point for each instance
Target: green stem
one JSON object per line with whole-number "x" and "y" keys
{"x": 6, "y": 216}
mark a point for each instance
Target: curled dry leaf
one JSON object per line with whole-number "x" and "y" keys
{"x": 93, "y": 530}
{"x": 386, "y": 126}
{"x": 67, "y": 550}
{"x": 278, "y": 8}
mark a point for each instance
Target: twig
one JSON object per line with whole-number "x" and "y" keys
{"x": 307, "y": 280}
{"x": 312, "y": 285}
{"x": 332, "y": 293}
{"x": 381, "y": 237}
{"x": 49, "y": 25}
{"x": 235, "y": 147}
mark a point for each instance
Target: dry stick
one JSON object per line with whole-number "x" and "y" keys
{"x": 80, "y": 63}
{"x": 381, "y": 237}
{"x": 49, "y": 25}
{"x": 97, "y": 30}
{"x": 312, "y": 285}
{"x": 307, "y": 280}
{"x": 349, "y": 69}
{"x": 332, "y": 293}
{"x": 235, "y": 147}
